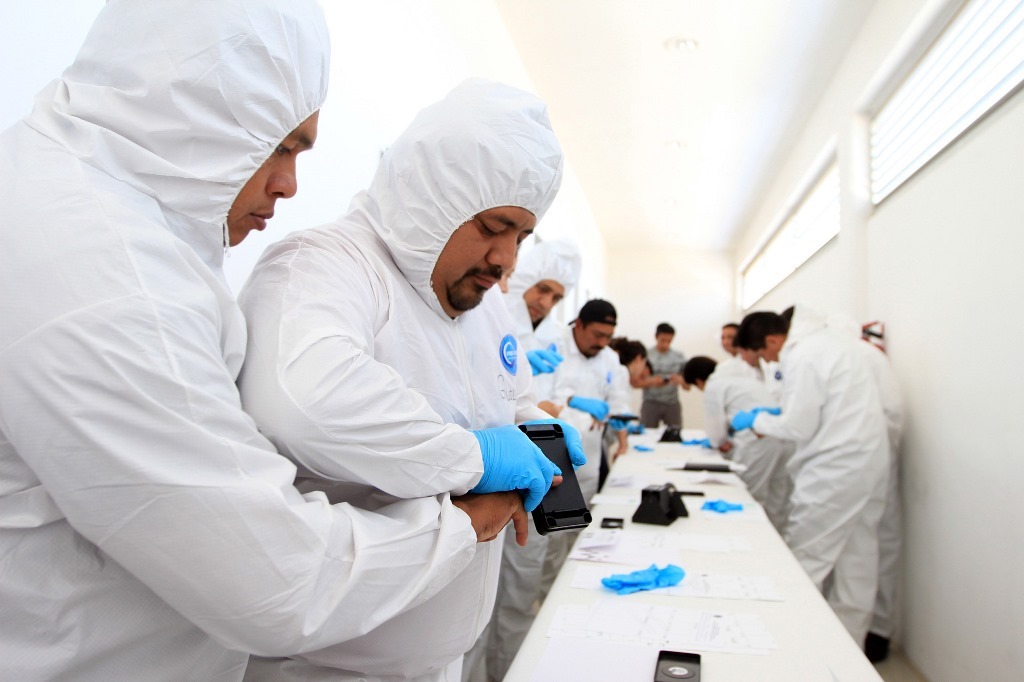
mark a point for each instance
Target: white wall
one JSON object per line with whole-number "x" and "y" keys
{"x": 390, "y": 58}
{"x": 938, "y": 262}
{"x": 691, "y": 290}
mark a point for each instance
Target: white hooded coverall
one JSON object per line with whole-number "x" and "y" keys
{"x": 147, "y": 530}
{"x": 736, "y": 386}
{"x": 840, "y": 469}
{"x": 519, "y": 584}
{"x": 357, "y": 373}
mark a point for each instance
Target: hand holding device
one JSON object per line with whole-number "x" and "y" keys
{"x": 513, "y": 462}
{"x": 573, "y": 442}
{"x": 563, "y": 506}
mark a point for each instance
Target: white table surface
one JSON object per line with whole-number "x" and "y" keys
{"x": 811, "y": 643}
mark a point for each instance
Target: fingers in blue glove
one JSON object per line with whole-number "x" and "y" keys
{"x": 573, "y": 442}
{"x": 635, "y": 429}
{"x": 513, "y": 462}
{"x": 769, "y": 410}
{"x": 543, "y": 361}
{"x": 743, "y": 420}
{"x": 598, "y": 409}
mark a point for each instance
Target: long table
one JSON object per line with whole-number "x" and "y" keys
{"x": 604, "y": 636}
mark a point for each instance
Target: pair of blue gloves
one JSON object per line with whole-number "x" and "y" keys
{"x": 647, "y": 579}
{"x": 703, "y": 442}
{"x": 513, "y": 462}
{"x": 745, "y": 418}
{"x": 544, "y": 360}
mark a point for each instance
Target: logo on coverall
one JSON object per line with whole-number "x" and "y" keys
{"x": 508, "y": 351}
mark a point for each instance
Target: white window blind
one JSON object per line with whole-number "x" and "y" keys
{"x": 976, "y": 62}
{"x": 814, "y": 222}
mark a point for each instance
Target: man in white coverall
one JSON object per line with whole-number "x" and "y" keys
{"x": 589, "y": 388}
{"x": 890, "y": 530}
{"x": 147, "y": 530}
{"x": 730, "y": 387}
{"x": 541, "y": 280}
{"x": 831, "y": 410}
{"x": 383, "y": 361}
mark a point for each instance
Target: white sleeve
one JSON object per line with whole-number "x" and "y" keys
{"x": 314, "y": 388}
{"x": 128, "y": 416}
{"x": 803, "y": 397}
{"x": 715, "y": 419}
{"x": 620, "y": 393}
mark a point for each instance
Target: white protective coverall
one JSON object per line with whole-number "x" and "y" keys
{"x": 357, "y": 373}
{"x": 147, "y": 530}
{"x": 519, "y": 583}
{"x": 840, "y": 469}
{"x": 736, "y": 386}
{"x": 594, "y": 377}
{"x": 890, "y": 530}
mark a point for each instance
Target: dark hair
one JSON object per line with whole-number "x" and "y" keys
{"x": 627, "y": 349}
{"x": 665, "y": 328}
{"x": 756, "y": 326}
{"x": 731, "y": 324}
{"x": 698, "y": 368}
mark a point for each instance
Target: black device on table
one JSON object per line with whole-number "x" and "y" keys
{"x": 623, "y": 417}
{"x": 563, "y": 506}
{"x": 671, "y": 435}
{"x": 677, "y": 665}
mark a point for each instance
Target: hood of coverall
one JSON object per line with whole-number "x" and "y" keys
{"x": 555, "y": 260}
{"x": 186, "y": 112}
{"x": 806, "y": 321}
{"x": 484, "y": 145}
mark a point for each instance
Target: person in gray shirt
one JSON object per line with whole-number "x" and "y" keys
{"x": 661, "y": 390}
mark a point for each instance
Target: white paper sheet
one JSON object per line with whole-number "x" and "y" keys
{"x": 620, "y": 620}
{"x": 616, "y": 496}
{"x": 616, "y": 547}
{"x": 713, "y": 586}
{"x": 568, "y": 658}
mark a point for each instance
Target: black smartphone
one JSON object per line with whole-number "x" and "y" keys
{"x": 563, "y": 506}
{"x": 677, "y": 665}
{"x": 611, "y": 522}
{"x": 623, "y": 417}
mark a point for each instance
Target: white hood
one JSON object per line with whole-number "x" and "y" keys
{"x": 484, "y": 145}
{"x": 194, "y": 114}
{"x": 806, "y": 321}
{"x": 555, "y": 260}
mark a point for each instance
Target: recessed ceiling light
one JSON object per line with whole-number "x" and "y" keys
{"x": 676, "y": 144}
{"x": 681, "y": 44}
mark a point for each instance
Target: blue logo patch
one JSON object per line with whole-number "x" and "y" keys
{"x": 508, "y": 351}
{"x": 608, "y": 377}
{"x": 778, "y": 375}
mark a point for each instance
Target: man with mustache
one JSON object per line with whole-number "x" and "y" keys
{"x": 383, "y": 362}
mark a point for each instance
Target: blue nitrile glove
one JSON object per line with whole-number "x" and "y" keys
{"x": 513, "y": 462}
{"x": 647, "y": 579}
{"x": 543, "y": 360}
{"x": 721, "y": 506}
{"x": 635, "y": 429}
{"x": 618, "y": 425}
{"x": 598, "y": 409}
{"x": 573, "y": 442}
{"x": 745, "y": 419}
{"x": 703, "y": 442}
{"x": 643, "y": 448}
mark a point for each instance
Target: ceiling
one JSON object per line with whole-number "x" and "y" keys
{"x": 674, "y": 145}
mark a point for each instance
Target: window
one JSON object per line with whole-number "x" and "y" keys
{"x": 976, "y": 62}
{"x": 813, "y": 223}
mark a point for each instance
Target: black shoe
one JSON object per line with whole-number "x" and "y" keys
{"x": 876, "y": 647}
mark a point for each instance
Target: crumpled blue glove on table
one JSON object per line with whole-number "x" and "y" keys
{"x": 643, "y": 448}
{"x": 721, "y": 506}
{"x": 647, "y": 579}
{"x": 598, "y": 409}
{"x": 745, "y": 418}
{"x": 573, "y": 442}
{"x": 513, "y": 462}
{"x": 543, "y": 360}
{"x": 703, "y": 442}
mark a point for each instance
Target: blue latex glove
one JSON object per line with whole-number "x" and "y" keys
{"x": 573, "y": 442}
{"x": 619, "y": 425}
{"x": 513, "y": 462}
{"x": 635, "y": 429}
{"x": 703, "y": 442}
{"x": 647, "y": 579}
{"x": 643, "y": 448}
{"x": 721, "y": 506}
{"x": 543, "y": 360}
{"x": 598, "y": 409}
{"x": 745, "y": 419}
